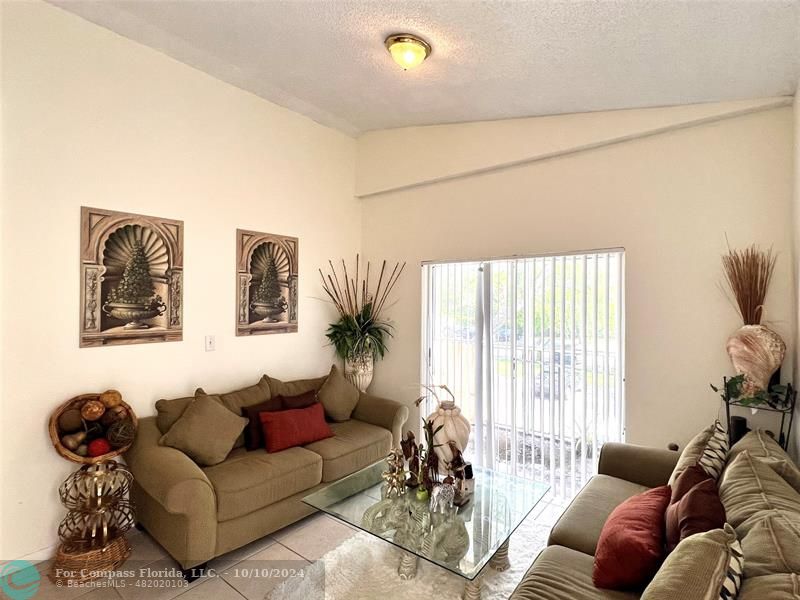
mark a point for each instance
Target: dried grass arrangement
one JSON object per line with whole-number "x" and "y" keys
{"x": 361, "y": 329}
{"x": 755, "y": 350}
{"x": 748, "y": 273}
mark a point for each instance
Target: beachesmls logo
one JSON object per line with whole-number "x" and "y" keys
{"x": 19, "y": 580}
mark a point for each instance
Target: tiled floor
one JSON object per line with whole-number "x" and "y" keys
{"x": 238, "y": 572}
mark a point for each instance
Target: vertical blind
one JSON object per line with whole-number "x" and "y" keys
{"x": 533, "y": 350}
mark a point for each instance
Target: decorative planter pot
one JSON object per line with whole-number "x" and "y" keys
{"x": 756, "y": 352}
{"x": 456, "y": 429}
{"x": 134, "y": 314}
{"x": 269, "y": 311}
{"x": 359, "y": 371}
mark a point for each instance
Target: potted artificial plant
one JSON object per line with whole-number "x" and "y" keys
{"x": 361, "y": 332}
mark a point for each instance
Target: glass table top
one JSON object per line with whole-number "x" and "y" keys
{"x": 462, "y": 539}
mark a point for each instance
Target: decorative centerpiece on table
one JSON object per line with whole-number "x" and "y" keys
{"x": 361, "y": 333}
{"x": 756, "y": 351}
{"x": 268, "y": 301}
{"x": 448, "y": 423}
{"x": 134, "y": 298}
{"x": 92, "y": 430}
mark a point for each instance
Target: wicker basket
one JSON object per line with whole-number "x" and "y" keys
{"x": 77, "y": 402}
{"x": 71, "y": 564}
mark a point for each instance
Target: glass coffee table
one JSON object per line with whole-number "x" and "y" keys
{"x": 460, "y": 539}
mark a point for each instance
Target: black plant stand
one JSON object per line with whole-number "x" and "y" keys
{"x": 787, "y": 410}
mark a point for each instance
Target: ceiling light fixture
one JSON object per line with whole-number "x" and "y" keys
{"x": 407, "y": 50}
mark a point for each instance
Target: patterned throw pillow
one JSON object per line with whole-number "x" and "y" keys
{"x": 733, "y": 576}
{"x": 716, "y": 451}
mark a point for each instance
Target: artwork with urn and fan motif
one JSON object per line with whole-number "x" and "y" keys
{"x": 266, "y": 283}
{"x": 131, "y": 278}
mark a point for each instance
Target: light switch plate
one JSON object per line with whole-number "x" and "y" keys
{"x": 211, "y": 343}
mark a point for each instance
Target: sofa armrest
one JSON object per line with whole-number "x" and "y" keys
{"x": 384, "y": 413}
{"x": 169, "y": 476}
{"x": 644, "y": 465}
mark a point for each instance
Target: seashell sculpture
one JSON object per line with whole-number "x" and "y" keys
{"x": 756, "y": 352}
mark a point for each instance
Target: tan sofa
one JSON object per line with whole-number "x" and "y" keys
{"x": 751, "y": 492}
{"x": 197, "y": 513}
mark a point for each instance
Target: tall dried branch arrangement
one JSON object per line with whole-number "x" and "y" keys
{"x": 350, "y": 290}
{"x": 748, "y": 273}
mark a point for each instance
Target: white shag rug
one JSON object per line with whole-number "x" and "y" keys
{"x": 365, "y": 568}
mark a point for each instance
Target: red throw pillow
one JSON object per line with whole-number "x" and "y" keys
{"x": 689, "y": 478}
{"x": 631, "y": 543}
{"x": 700, "y": 510}
{"x": 289, "y": 428}
{"x": 299, "y": 401}
{"x": 254, "y": 433}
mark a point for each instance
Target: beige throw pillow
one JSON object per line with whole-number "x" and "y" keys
{"x": 206, "y": 431}
{"x": 692, "y": 452}
{"x": 704, "y": 566}
{"x": 170, "y": 411}
{"x": 249, "y": 396}
{"x": 338, "y": 396}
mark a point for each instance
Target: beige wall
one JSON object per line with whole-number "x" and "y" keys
{"x": 668, "y": 199}
{"x": 94, "y": 119}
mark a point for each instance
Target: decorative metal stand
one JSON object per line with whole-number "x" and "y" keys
{"x": 93, "y": 531}
{"x": 784, "y": 409}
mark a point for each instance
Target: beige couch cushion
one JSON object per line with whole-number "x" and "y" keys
{"x": 248, "y": 481}
{"x": 765, "y": 448}
{"x": 580, "y": 526}
{"x": 355, "y": 445}
{"x": 749, "y": 486}
{"x": 296, "y": 387}
{"x": 771, "y": 587}
{"x": 771, "y": 543}
{"x": 699, "y": 568}
{"x": 563, "y": 574}
{"x": 692, "y": 452}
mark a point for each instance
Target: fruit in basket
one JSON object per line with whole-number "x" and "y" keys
{"x": 111, "y": 398}
{"x": 92, "y": 410}
{"x": 99, "y": 447}
{"x": 112, "y": 415}
{"x": 94, "y": 430}
{"x": 70, "y": 421}
{"x": 73, "y": 440}
{"x": 82, "y": 450}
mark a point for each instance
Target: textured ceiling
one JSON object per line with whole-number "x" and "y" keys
{"x": 491, "y": 59}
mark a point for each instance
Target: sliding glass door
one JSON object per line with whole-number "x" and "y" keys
{"x": 533, "y": 349}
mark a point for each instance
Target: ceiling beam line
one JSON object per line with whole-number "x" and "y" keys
{"x": 545, "y": 156}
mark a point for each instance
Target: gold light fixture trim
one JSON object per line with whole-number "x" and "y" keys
{"x": 407, "y": 50}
